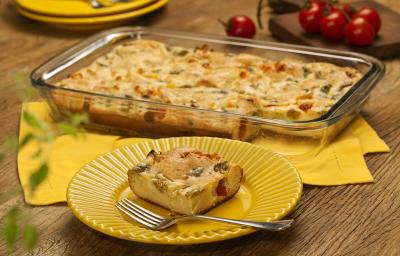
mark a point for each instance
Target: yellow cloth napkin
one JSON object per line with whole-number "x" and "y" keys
{"x": 340, "y": 163}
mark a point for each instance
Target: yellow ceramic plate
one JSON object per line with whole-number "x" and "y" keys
{"x": 121, "y": 17}
{"x": 77, "y": 7}
{"x": 271, "y": 189}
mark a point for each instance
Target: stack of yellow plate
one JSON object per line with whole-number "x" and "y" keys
{"x": 79, "y": 14}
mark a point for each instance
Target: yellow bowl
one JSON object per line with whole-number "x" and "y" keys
{"x": 271, "y": 190}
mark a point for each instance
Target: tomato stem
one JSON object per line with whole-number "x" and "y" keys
{"x": 223, "y": 23}
{"x": 353, "y": 9}
{"x": 348, "y": 18}
{"x": 306, "y": 5}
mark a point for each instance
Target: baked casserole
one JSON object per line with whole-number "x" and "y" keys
{"x": 202, "y": 78}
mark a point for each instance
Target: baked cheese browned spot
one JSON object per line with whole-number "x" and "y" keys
{"x": 206, "y": 79}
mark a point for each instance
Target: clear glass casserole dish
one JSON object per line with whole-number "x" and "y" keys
{"x": 133, "y": 117}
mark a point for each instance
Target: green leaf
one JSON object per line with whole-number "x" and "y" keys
{"x": 30, "y": 93}
{"x": 22, "y": 86}
{"x": 32, "y": 120}
{"x": 30, "y": 236}
{"x": 66, "y": 128}
{"x": 38, "y": 176}
{"x": 11, "y": 227}
{"x": 45, "y": 136}
{"x": 77, "y": 119}
{"x": 10, "y": 231}
{"x": 12, "y": 214}
{"x": 27, "y": 138}
{"x": 37, "y": 153}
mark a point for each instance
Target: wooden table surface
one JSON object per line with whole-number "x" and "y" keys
{"x": 341, "y": 220}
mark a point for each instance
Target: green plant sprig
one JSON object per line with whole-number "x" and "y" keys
{"x": 17, "y": 221}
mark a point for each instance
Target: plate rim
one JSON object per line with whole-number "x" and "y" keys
{"x": 114, "y": 9}
{"x": 76, "y": 21}
{"x": 239, "y": 231}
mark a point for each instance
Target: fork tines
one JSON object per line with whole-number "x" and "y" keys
{"x": 138, "y": 213}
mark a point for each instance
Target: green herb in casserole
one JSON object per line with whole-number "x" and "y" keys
{"x": 206, "y": 79}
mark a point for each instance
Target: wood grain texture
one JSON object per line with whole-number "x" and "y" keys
{"x": 344, "y": 220}
{"x": 387, "y": 44}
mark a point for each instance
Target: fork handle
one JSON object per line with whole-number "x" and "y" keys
{"x": 277, "y": 225}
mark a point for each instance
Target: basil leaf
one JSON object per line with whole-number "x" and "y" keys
{"x": 66, "y": 128}
{"x": 11, "y": 227}
{"x": 77, "y": 119}
{"x": 32, "y": 120}
{"x": 38, "y": 176}
{"x": 37, "y": 154}
{"x": 30, "y": 236}
{"x": 26, "y": 139}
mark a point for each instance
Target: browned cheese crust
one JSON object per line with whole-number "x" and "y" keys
{"x": 203, "y": 79}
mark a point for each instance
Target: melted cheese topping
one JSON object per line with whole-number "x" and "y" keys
{"x": 206, "y": 79}
{"x": 183, "y": 170}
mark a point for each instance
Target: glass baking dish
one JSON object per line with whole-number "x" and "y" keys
{"x": 132, "y": 117}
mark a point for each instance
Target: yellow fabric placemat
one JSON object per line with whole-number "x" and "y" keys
{"x": 340, "y": 163}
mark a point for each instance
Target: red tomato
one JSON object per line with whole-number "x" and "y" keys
{"x": 240, "y": 26}
{"x": 332, "y": 26}
{"x": 309, "y": 18}
{"x": 371, "y": 16}
{"x": 221, "y": 189}
{"x": 359, "y": 32}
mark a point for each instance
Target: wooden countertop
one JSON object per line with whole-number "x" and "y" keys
{"x": 342, "y": 220}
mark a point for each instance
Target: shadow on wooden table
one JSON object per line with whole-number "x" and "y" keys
{"x": 271, "y": 240}
{"x": 107, "y": 245}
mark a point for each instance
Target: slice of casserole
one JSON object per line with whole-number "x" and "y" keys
{"x": 185, "y": 180}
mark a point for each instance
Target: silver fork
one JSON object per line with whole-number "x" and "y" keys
{"x": 157, "y": 222}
